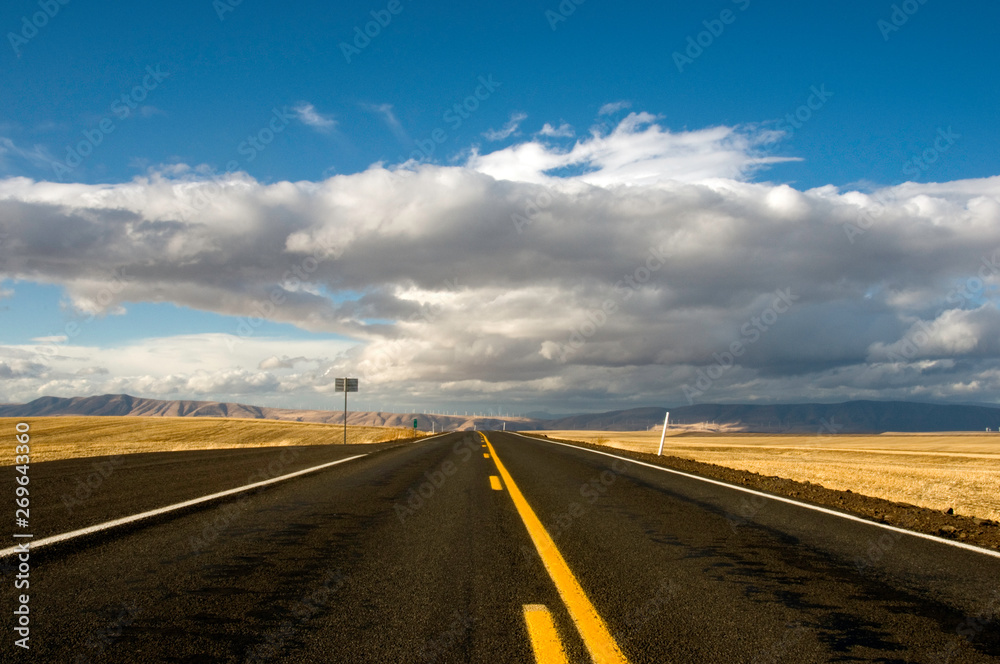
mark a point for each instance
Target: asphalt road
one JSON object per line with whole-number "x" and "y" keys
{"x": 409, "y": 554}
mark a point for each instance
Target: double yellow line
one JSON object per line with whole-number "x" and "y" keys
{"x": 596, "y": 637}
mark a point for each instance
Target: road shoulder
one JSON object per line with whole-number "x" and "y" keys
{"x": 983, "y": 533}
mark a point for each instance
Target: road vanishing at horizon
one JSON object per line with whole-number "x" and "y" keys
{"x": 466, "y": 547}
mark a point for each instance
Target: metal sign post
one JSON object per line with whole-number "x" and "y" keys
{"x": 345, "y": 385}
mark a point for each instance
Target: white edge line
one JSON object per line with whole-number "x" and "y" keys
{"x": 170, "y": 508}
{"x": 34, "y": 544}
{"x": 824, "y": 510}
{"x": 433, "y": 435}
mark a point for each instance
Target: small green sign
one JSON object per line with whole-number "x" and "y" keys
{"x": 414, "y": 423}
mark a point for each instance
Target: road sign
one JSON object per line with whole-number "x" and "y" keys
{"x": 346, "y": 385}
{"x": 414, "y": 423}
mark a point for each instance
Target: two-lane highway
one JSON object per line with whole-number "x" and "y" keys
{"x": 682, "y": 572}
{"x": 427, "y": 552}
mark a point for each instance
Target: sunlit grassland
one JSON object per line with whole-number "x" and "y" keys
{"x": 934, "y": 470}
{"x": 71, "y": 437}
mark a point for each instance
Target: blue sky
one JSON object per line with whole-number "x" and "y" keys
{"x": 169, "y": 99}
{"x": 226, "y": 75}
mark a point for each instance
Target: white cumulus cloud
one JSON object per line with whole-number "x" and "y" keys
{"x": 614, "y": 107}
{"x": 623, "y": 267}
{"x": 509, "y": 128}
{"x": 308, "y": 115}
{"x": 637, "y": 151}
{"x": 564, "y": 130}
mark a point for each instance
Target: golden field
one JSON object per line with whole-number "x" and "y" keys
{"x": 69, "y": 437}
{"x": 934, "y": 470}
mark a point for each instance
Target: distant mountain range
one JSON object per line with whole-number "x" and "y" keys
{"x": 849, "y": 417}
{"x": 126, "y": 405}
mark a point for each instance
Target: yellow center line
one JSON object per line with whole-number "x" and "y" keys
{"x": 495, "y": 483}
{"x": 485, "y": 455}
{"x": 544, "y": 637}
{"x": 593, "y": 631}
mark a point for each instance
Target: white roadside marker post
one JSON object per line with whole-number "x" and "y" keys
{"x": 664, "y": 434}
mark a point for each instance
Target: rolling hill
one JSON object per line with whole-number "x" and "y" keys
{"x": 849, "y": 417}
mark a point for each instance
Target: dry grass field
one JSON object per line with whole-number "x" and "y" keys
{"x": 69, "y": 437}
{"x": 938, "y": 471}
